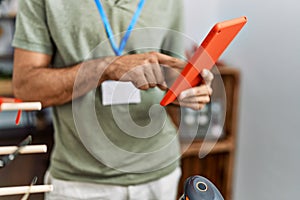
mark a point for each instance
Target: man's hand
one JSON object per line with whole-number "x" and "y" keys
{"x": 198, "y": 96}
{"x": 143, "y": 70}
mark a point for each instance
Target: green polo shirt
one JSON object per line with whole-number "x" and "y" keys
{"x": 121, "y": 144}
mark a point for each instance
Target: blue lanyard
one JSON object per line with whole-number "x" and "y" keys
{"x": 118, "y": 50}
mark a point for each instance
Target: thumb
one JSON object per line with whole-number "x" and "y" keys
{"x": 207, "y": 76}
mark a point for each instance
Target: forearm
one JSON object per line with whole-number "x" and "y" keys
{"x": 56, "y": 86}
{"x": 33, "y": 80}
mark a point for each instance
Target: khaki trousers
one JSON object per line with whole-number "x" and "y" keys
{"x": 164, "y": 188}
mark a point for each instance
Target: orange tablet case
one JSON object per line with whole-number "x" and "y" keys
{"x": 205, "y": 57}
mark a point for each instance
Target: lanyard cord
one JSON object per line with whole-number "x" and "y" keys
{"x": 109, "y": 33}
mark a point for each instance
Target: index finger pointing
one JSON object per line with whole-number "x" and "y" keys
{"x": 169, "y": 61}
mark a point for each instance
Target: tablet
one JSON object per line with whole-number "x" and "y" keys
{"x": 205, "y": 57}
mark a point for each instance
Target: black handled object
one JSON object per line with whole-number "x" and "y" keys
{"x": 8, "y": 158}
{"x": 200, "y": 188}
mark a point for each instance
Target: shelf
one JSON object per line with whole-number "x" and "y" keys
{"x": 207, "y": 147}
{"x": 6, "y": 87}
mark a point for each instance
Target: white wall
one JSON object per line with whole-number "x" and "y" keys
{"x": 267, "y": 52}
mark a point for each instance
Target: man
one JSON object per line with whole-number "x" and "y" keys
{"x": 104, "y": 151}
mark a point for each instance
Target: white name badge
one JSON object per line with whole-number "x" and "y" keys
{"x": 116, "y": 92}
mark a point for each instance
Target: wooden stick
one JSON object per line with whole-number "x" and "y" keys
{"x": 6, "y": 191}
{"x": 24, "y": 150}
{"x": 21, "y": 106}
{"x": 27, "y": 194}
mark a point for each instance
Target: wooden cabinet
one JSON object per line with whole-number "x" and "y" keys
{"x": 218, "y": 164}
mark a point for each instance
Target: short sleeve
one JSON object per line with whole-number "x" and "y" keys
{"x": 173, "y": 44}
{"x": 32, "y": 32}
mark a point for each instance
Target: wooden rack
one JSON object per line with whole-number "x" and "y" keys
{"x": 25, "y": 148}
{"x": 218, "y": 165}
